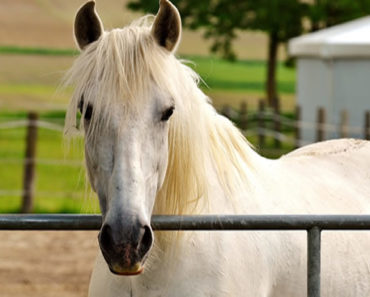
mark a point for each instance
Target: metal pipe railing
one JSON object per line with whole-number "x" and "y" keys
{"x": 313, "y": 262}
{"x": 313, "y": 224}
{"x": 192, "y": 222}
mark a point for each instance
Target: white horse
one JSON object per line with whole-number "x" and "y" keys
{"x": 155, "y": 145}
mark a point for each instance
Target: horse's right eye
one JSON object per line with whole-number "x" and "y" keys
{"x": 88, "y": 111}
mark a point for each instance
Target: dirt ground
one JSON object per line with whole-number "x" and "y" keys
{"x": 46, "y": 264}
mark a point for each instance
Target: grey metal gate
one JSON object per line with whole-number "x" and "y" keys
{"x": 313, "y": 224}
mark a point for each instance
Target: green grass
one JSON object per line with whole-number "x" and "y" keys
{"x": 241, "y": 76}
{"x": 245, "y": 75}
{"x": 60, "y": 175}
{"x": 17, "y": 50}
{"x": 26, "y": 88}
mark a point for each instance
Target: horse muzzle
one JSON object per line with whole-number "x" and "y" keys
{"x": 125, "y": 247}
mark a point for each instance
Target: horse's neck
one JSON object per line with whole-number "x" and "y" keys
{"x": 232, "y": 171}
{"x": 230, "y": 177}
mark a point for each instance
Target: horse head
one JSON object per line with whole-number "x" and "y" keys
{"x": 127, "y": 155}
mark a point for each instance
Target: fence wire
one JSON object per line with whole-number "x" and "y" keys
{"x": 56, "y": 125}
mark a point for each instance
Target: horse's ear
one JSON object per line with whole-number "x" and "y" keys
{"x": 166, "y": 29}
{"x": 88, "y": 26}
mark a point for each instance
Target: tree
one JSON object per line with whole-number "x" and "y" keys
{"x": 281, "y": 20}
{"x": 221, "y": 19}
{"x": 327, "y": 13}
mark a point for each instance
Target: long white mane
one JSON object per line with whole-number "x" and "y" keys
{"x": 118, "y": 69}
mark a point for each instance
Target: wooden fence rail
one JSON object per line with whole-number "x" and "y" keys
{"x": 274, "y": 124}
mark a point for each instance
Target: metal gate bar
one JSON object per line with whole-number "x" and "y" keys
{"x": 193, "y": 222}
{"x": 313, "y": 262}
{"x": 313, "y": 224}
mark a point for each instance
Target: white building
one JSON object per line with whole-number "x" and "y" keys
{"x": 333, "y": 72}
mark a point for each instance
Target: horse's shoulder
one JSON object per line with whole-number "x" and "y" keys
{"x": 331, "y": 147}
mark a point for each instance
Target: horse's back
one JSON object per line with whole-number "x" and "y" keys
{"x": 331, "y": 177}
{"x": 347, "y": 147}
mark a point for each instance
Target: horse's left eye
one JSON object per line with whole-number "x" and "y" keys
{"x": 167, "y": 114}
{"x": 88, "y": 112}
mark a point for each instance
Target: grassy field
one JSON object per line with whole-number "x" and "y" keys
{"x": 33, "y": 83}
{"x": 60, "y": 177}
{"x": 234, "y": 82}
{"x": 29, "y": 78}
{"x": 241, "y": 76}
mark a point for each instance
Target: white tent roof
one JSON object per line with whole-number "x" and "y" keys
{"x": 350, "y": 39}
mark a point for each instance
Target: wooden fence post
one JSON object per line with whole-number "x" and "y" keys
{"x": 320, "y": 129}
{"x": 29, "y": 164}
{"x": 261, "y": 123}
{"x": 297, "y": 127}
{"x": 226, "y": 111}
{"x": 243, "y": 120}
{"x": 343, "y": 128}
{"x": 367, "y": 125}
{"x": 277, "y": 124}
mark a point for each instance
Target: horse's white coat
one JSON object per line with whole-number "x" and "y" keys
{"x": 327, "y": 178}
{"x": 271, "y": 264}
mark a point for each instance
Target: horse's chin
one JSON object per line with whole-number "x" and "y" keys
{"x": 134, "y": 270}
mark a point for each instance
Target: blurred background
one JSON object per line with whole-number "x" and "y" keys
{"x": 256, "y": 74}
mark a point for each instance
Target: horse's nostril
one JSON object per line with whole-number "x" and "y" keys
{"x": 146, "y": 241}
{"x": 105, "y": 236}
{"x": 135, "y": 241}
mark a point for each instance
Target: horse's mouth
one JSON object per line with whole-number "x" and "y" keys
{"x": 127, "y": 271}
{"x": 125, "y": 261}
{"x": 125, "y": 248}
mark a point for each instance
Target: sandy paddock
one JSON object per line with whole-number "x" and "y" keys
{"x": 45, "y": 264}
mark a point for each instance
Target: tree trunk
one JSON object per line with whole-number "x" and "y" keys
{"x": 271, "y": 70}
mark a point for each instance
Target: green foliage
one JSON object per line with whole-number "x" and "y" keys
{"x": 281, "y": 18}
{"x": 326, "y": 13}
{"x": 221, "y": 19}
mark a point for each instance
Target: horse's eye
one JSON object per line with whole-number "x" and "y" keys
{"x": 88, "y": 112}
{"x": 167, "y": 114}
